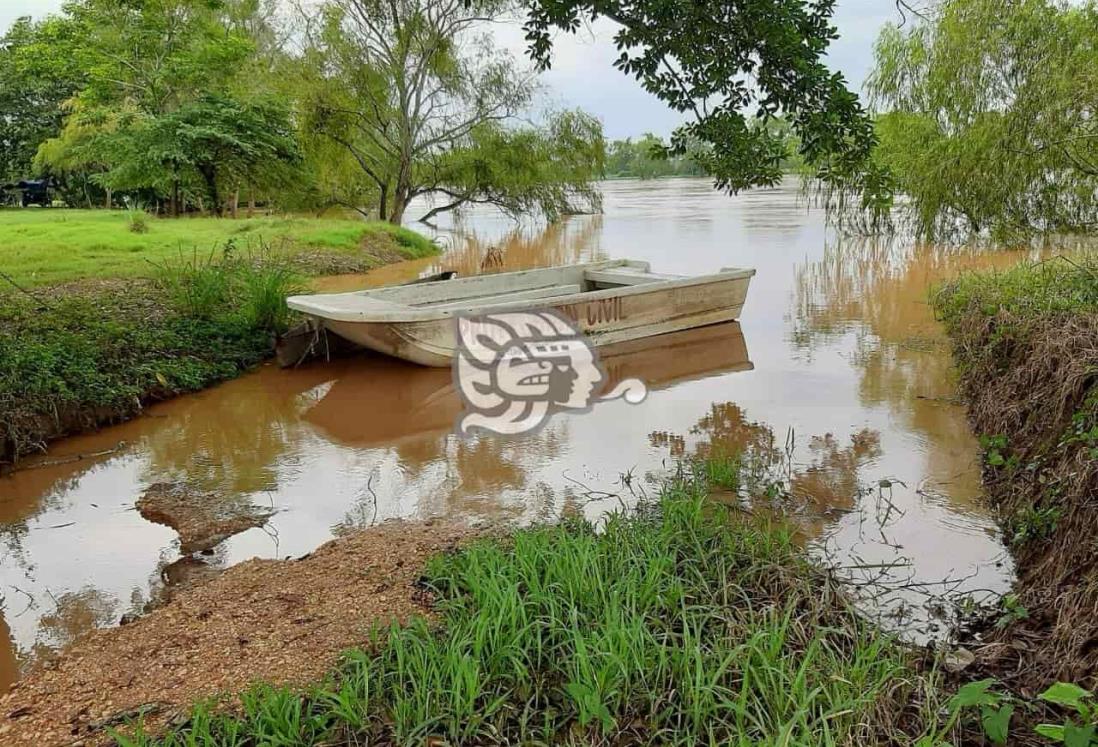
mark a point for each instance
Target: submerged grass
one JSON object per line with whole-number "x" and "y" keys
{"x": 678, "y": 624}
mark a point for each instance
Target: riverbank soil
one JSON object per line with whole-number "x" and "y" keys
{"x": 95, "y": 350}
{"x": 681, "y": 623}
{"x": 1026, "y": 344}
{"x": 281, "y": 622}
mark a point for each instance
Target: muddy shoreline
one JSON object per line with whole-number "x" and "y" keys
{"x": 282, "y": 622}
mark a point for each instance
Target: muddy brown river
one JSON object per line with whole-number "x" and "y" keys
{"x": 838, "y": 376}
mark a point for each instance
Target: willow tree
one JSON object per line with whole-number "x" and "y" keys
{"x": 989, "y": 116}
{"x": 417, "y": 95}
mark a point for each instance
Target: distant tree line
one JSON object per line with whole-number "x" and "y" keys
{"x": 646, "y": 158}
{"x": 651, "y": 157}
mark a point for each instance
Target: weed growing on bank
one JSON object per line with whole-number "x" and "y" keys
{"x": 681, "y": 623}
{"x": 1029, "y": 289}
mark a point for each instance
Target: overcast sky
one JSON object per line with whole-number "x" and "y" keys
{"x": 582, "y": 75}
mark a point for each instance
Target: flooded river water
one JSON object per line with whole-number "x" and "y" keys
{"x": 838, "y": 364}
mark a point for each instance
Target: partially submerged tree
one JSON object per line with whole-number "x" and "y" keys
{"x": 989, "y": 122}
{"x": 426, "y": 106}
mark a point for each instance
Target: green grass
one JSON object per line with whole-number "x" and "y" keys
{"x": 1025, "y": 290}
{"x": 723, "y": 471}
{"x": 44, "y": 247}
{"x": 680, "y": 624}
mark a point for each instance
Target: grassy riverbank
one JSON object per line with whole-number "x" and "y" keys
{"x": 681, "y": 624}
{"x": 1026, "y": 345}
{"x": 138, "y": 322}
{"x": 46, "y": 247}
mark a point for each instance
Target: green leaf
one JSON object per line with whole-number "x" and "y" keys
{"x": 1050, "y": 731}
{"x": 1078, "y": 736}
{"x": 996, "y": 722}
{"x": 974, "y": 694}
{"x": 1065, "y": 693}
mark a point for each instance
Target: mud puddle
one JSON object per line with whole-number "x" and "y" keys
{"x": 838, "y": 379}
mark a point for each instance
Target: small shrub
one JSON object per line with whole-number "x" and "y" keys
{"x": 136, "y": 217}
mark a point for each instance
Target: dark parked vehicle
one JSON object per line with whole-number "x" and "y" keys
{"x": 28, "y": 192}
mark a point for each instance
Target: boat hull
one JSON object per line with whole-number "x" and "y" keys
{"x": 605, "y": 317}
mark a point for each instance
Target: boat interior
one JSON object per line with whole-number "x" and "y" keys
{"x": 527, "y": 285}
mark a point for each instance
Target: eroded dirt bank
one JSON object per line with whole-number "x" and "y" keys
{"x": 283, "y": 622}
{"x": 1030, "y": 382}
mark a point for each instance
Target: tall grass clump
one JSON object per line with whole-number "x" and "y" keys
{"x": 678, "y": 624}
{"x": 249, "y": 289}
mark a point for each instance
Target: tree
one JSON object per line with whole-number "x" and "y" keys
{"x": 37, "y": 75}
{"x": 989, "y": 121}
{"x": 216, "y": 141}
{"x": 163, "y": 109}
{"x": 424, "y": 106}
{"x": 645, "y": 159}
{"x": 545, "y": 170}
{"x": 727, "y": 63}
{"x": 155, "y": 55}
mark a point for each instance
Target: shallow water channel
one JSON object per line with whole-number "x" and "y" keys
{"x": 838, "y": 375}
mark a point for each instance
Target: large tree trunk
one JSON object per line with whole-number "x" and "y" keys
{"x": 402, "y": 193}
{"x": 400, "y": 204}
{"x": 209, "y": 175}
{"x": 110, "y": 198}
{"x": 234, "y": 203}
{"x": 401, "y": 197}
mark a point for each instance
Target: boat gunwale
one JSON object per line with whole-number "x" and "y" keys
{"x": 396, "y": 313}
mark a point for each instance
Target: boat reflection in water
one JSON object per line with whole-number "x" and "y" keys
{"x": 424, "y": 400}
